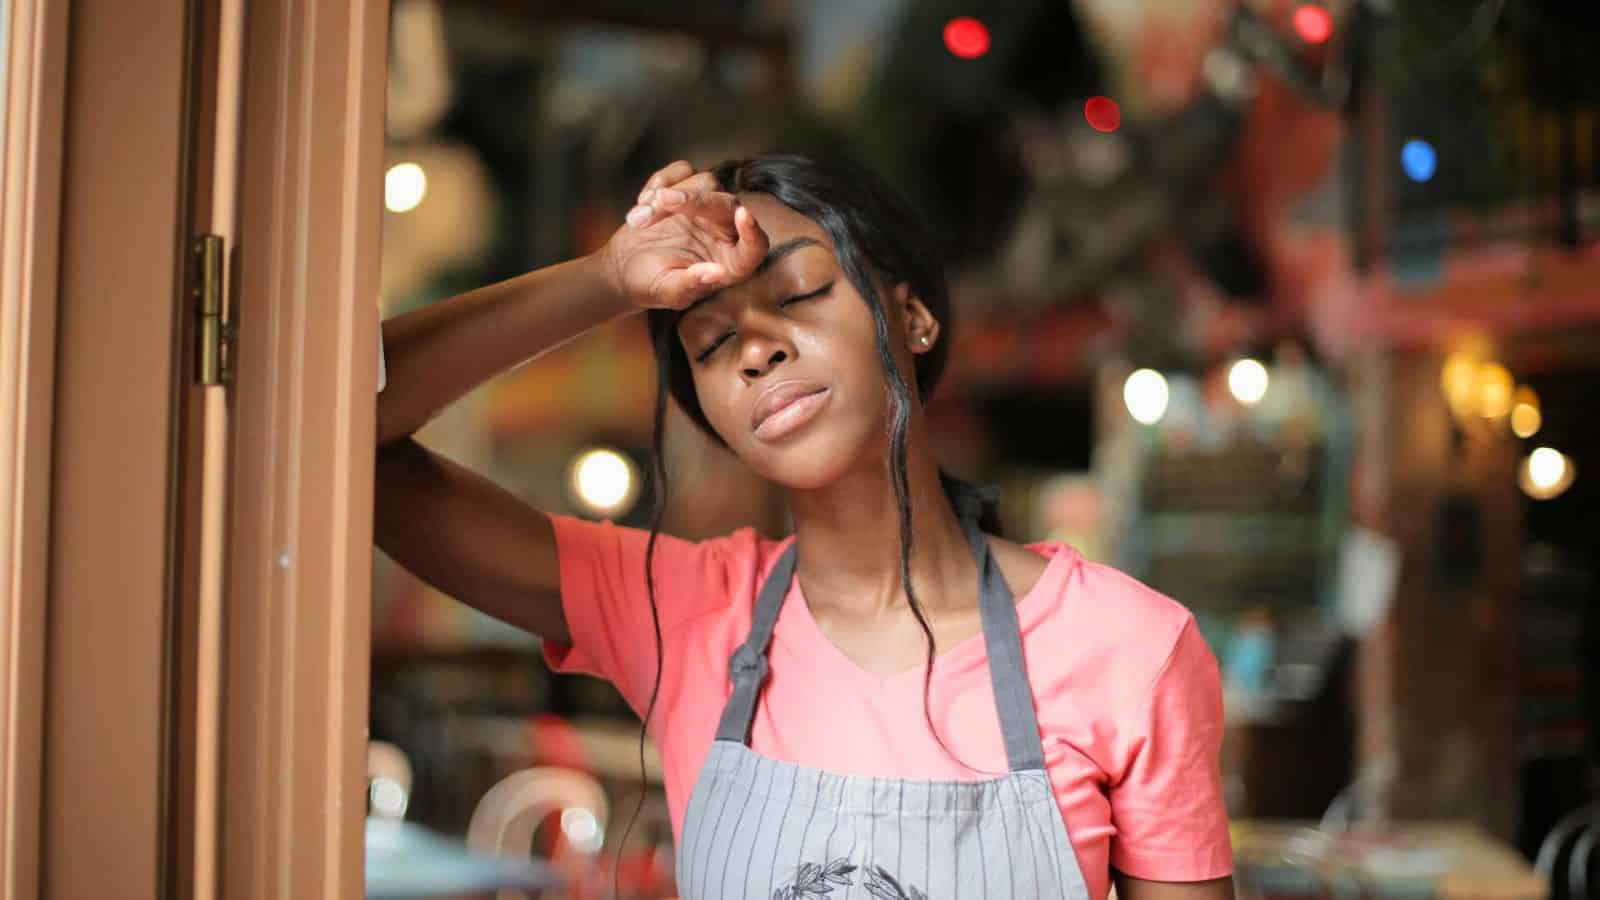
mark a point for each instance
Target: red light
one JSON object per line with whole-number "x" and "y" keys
{"x": 966, "y": 37}
{"x": 1103, "y": 113}
{"x": 1313, "y": 23}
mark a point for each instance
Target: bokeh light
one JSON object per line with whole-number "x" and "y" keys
{"x": 1418, "y": 160}
{"x": 387, "y": 797}
{"x": 1526, "y": 419}
{"x": 1102, "y": 113}
{"x": 1146, "y": 395}
{"x": 604, "y": 481}
{"x": 1546, "y": 473}
{"x": 404, "y": 186}
{"x": 1248, "y": 381}
{"x": 966, "y": 37}
{"x": 582, "y": 828}
{"x": 1494, "y": 390}
{"x": 1459, "y": 381}
{"x": 1313, "y": 23}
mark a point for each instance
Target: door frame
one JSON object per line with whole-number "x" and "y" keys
{"x": 306, "y": 279}
{"x": 34, "y": 65}
{"x": 93, "y": 754}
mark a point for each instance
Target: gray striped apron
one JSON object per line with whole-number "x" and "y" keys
{"x": 762, "y": 828}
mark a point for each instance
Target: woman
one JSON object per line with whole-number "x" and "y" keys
{"x": 889, "y": 704}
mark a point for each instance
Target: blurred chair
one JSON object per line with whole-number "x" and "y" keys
{"x": 388, "y": 781}
{"x": 1581, "y": 867}
{"x": 505, "y": 820}
{"x": 1567, "y": 854}
{"x": 1366, "y": 798}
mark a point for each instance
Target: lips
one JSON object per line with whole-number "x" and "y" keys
{"x": 786, "y": 406}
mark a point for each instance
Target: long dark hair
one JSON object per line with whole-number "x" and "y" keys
{"x": 878, "y": 241}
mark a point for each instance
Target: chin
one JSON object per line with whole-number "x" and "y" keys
{"x": 816, "y": 460}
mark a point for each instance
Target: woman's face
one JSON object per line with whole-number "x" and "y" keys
{"x": 785, "y": 363}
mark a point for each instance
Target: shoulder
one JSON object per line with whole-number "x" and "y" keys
{"x": 603, "y": 557}
{"x": 746, "y": 556}
{"x": 1116, "y": 626}
{"x": 1021, "y": 567}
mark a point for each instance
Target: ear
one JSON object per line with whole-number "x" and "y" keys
{"x": 920, "y": 328}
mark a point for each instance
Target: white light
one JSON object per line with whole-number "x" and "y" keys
{"x": 582, "y": 829}
{"x": 1546, "y": 467}
{"x": 404, "y": 187}
{"x": 1546, "y": 474}
{"x": 1145, "y": 393}
{"x": 388, "y": 798}
{"x": 1247, "y": 381}
{"x": 604, "y": 481}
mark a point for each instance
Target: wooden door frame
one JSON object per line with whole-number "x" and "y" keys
{"x": 119, "y": 372}
{"x": 30, "y": 209}
{"x": 85, "y": 545}
{"x": 298, "y": 601}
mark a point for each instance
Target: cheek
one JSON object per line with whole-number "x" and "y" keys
{"x": 713, "y": 403}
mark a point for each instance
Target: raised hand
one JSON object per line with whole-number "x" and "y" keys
{"x": 684, "y": 240}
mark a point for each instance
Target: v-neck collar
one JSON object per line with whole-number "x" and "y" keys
{"x": 797, "y": 627}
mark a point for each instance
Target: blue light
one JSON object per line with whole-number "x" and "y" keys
{"x": 1419, "y": 160}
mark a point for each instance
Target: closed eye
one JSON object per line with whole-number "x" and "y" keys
{"x": 808, "y": 296}
{"x": 712, "y": 347}
{"x": 705, "y": 354}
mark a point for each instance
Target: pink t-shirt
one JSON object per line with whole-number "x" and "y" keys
{"x": 1127, "y": 692}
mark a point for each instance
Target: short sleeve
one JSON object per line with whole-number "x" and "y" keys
{"x": 605, "y": 597}
{"x": 1171, "y": 824}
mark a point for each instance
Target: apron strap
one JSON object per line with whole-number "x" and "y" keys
{"x": 748, "y": 666}
{"x": 1002, "y": 636}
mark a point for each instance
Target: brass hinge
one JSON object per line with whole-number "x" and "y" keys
{"x": 214, "y": 334}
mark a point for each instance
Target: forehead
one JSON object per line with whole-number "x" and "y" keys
{"x": 780, "y": 222}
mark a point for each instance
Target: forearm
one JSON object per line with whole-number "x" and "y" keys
{"x": 437, "y": 354}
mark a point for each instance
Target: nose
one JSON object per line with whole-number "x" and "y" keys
{"x": 760, "y": 354}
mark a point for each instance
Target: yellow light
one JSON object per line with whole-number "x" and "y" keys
{"x": 1459, "y": 381}
{"x": 1525, "y": 420}
{"x": 1525, "y": 416}
{"x": 404, "y": 186}
{"x": 1146, "y": 395}
{"x": 1248, "y": 381}
{"x": 1546, "y": 473}
{"x": 604, "y": 481}
{"x": 1494, "y": 390}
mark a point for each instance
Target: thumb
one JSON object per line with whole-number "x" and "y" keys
{"x": 752, "y": 245}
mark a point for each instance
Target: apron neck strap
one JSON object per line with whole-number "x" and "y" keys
{"x": 1002, "y": 636}
{"x": 748, "y": 667}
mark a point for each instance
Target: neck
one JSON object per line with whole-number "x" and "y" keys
{"x": 848, "y": 534}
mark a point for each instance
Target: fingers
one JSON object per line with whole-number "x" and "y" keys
{"x": 667, "y": 175}
{"x": 699, "y": 181}
{"x": 752, "y": 246}
{"x": 645, "y": 213}
{"x": 714, "y": 205}
{"x": 710, "y": 209}
{"x": 677, "y": 288}
{"x": 698, "y": 195}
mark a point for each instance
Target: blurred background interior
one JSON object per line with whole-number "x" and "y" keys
{"x": 1290, "y": 309}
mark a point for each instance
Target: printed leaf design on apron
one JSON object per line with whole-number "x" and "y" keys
{"x": 883, "y": 886}
{"x": 815, "y": 881}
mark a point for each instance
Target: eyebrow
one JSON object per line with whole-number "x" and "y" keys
{"x": 773, "y": 256}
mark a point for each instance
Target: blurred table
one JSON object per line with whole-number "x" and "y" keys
{"x": 1401, "y": 860}
{"x": 405, "y": 861}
